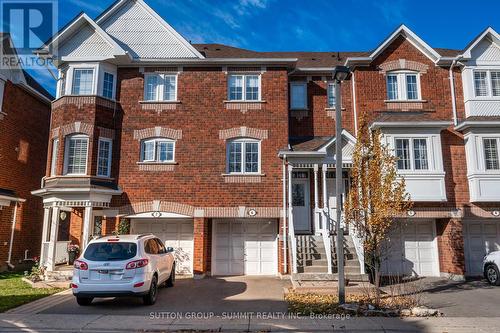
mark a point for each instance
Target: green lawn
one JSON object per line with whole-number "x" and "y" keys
{"x": 15, "y": 292}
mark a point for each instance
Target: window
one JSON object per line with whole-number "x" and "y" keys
{"x": 76, "y": 155}
{"x": 480, "y": 83}
{"x": 53, "y": 161}
{"x": 495, "y": 83}
{"x": 243, "y": 156}
{"x": 403, "y": 86}
{"x": 151, "y": 247}
{"x": 298, "y": 95}
{"x": 412, "y": 154}
{"x": 157, "y": 150}
{"x": 97, "y": 230}
{"x": 491, "y": 153}
{"x": 62, "y": 83}
{"x": 107, "y": 251}
{"x": 331, "y": 95}
{"x": 160, "y": 87}
{"x": 244, "y": 87}
{"x": 82, "y": 81}
{"x": 104, "y": 157}
{"x": 108, "y": 85}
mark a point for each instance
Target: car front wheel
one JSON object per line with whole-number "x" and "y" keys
{"x": 150, "y": 298}
{"x": 492, "y": 275}
{"x": 84, "y": 301}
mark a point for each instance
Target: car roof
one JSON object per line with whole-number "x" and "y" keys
{"x": 124, "y": 238}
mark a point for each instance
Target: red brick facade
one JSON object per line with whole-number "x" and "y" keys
{"x": 24, "y": 129}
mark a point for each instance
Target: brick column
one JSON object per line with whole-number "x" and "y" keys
{"x": 201, "y": 246}
{"x": 451, "y": 247}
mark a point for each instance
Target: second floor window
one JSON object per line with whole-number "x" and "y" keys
{"x": 491, "y": 153}
{"x": 244, "y": 87}
{"x": 157, "y": 150}
{"x": 75, "y": 155}
{"x": 82, "y": 81}
{"x": 412, "y": 154}
{"x": 104, "y": 157}
{"x": 487, "y": 83}
{"x": 243, "y": 156}
{"x": 298, "y": 95}
{"x": 160, "y": 87}
{"x": 108, "y": 85}
{"x": 403, "y": 86}
{"x": 331, "y": 95}
{"x": 53, "y": 160}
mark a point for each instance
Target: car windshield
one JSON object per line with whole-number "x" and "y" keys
{"x": 110, "y": 251}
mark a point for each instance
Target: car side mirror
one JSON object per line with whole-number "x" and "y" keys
{"x": 169, "y": 249}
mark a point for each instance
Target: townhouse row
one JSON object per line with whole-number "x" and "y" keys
{"x": 228, "y": 155}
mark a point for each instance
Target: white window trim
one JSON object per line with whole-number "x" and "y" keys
{"x": 66, "y": 155}
{"x": 53, "y": 159}
{"x": 156, "y": 152}
{"x": 483, "y": 153}
{"x": 243, "y": 156}
{"x": 402, "y": 86}
{"x": 113, "y": 88}
{"x": 306, "y": 104}
{"x": 244, "y": 87}
{"x": 412, "y": 154}
{"x": 110, "y": 154}
{"x": 93, "y": 85}
{"x": 489, "y": 84}
{"x": 160, "y": 88}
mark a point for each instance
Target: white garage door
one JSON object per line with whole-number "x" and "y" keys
{"x": 480, "y": 238}
{"x": 412, "y": 249}
{"x": 244, "y": 247}
{"x": 177, "y": 233}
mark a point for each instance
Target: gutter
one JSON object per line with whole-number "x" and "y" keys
{"x": 475, "y": 123}
{"x": 285, "y": 266}
{"x": 438, "y": 124}
{"x": 452, "y": 88}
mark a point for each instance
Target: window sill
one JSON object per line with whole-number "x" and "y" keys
{"x": 333, "y": 108}
{"x": 246, "y": 102}
{"x": 244, "y": 106}
{"x": 156, "y": 166}
{"x": 158, "y": 163}
{"x": 405, "y": 101}
{"x": 242, "y": 178}
{"x": 243, "y": 174}
{"x": 160, "y": 102}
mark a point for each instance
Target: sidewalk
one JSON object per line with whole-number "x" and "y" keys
{"x": 162, "y": 323}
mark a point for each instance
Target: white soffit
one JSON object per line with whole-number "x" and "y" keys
{"x": 143, "y": 33}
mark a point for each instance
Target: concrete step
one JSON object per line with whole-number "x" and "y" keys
{"x": 314, "y": 262}
{"x": 313, "y": 269}
{"x": 327, "y": 277}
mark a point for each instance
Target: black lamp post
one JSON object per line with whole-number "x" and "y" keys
{"x": 340, "y": 73}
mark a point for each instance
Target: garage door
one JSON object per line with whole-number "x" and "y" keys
{"x": 244, "y": 247}
{"x": 412, "y": 249}
{"x": 177, "y": 233}
{"x": 480, "y": 238}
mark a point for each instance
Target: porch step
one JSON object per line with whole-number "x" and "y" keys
{"x": 328, "y": 277}
{"x": 60, "y": 274}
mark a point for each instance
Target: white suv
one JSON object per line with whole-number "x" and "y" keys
{"x": 491, "y": 262}
{"x": 125, "y": 265}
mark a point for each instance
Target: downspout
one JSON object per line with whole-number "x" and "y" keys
{"x": 452, "y": 87}
{"x": 285, "y": 254}
{"x": 354, "y": 104}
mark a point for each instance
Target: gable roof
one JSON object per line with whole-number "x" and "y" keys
{"x": 486, "y": 33}
{"x": 144, "y": 33}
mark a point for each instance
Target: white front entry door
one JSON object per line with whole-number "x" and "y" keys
{"x": 412, "y": 249}
{"x": 480, "y": 238}
{"x": 244, "y": 247}
{"x": 331, "y": 187}
{"x": 301, "y": 208}
{"x": 176, "y": 233}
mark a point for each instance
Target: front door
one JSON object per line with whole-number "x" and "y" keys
{"x": 332, "y": 194}
{"x": 300, "y": 201}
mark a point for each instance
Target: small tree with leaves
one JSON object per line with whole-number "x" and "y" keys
{"x": 377, "y": 196}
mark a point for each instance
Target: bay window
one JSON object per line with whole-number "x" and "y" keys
{"x": 75, "y": 155}
{"x": 403, "y": 86}
{"x": 108, "y": 85}
{"x": 412, "y": 154}
{"x": 298, "y": 95}
{"x": 160, "y": 87}
{"x": 104, "y": 157}
{"x": 491, "y": 160}
{"x": 244, "y": 87}
{"x": 158, "y": 150}
{"x": 83, "y": 81}
{"x": 487, "y": 83}
{"x": 243, "y": 156}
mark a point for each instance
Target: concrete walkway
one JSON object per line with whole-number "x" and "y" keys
{"x": 155, "y": 322}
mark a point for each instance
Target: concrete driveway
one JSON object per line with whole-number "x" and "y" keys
{"x": 472, "y": 298}
{"x": 211, "y": 295}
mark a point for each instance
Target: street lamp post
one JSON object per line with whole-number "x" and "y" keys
{"x": 340, "y": 73}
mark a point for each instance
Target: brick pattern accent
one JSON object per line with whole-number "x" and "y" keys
{"x": 76, "y": 127}
{"x": 156, "y": 167}
{"x": 242, "y": 179}
{"x": 81, "y": 101}
{"x": 244, "y": 107}
{"x": 163, "y": 132}
{"x": 155, "y": 206}
{"x": 401, "y": 64}
{"x": 106, "y": 132}
{"x": 242, "y": 212}
{"x": 159, "y": 107}
{"x": 243, "y": 131}
{"x": 404, "y": 106}
{"x": 450, "y": 246}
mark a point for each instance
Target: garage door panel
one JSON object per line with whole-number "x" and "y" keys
{"x": 480, "y": 238}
